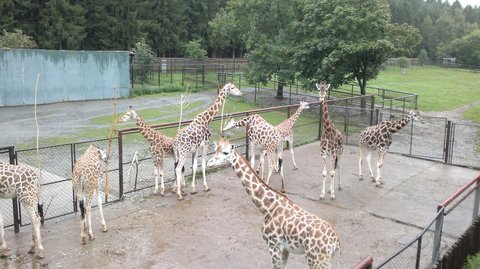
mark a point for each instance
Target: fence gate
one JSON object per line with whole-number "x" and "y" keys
{"x": 463, "y": 144}
{"x": 425, "y": 140}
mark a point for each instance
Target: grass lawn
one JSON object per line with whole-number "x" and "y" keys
{"x": 438, "y": 88}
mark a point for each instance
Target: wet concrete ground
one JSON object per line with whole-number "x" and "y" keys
{"x": 221, "y": 228}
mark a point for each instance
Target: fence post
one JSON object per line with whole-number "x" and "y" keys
{"x": 438, "y": 233}
{"x": 419, "y": 252}
{"x": 477, "y": 200}
{"x": 16, "y": 221}
{"x": 320, "y": 122}
{"x": 72, "y": 163}
{"x": 247, "y": 141}
{"x": 446, "y": 150}
{"x": 120, "y": 164}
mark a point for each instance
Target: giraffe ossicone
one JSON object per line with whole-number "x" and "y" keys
{"x": 23, "y": 183}
{"x": 378, "y": 138}
{"x": 86, "y": 179}
{"x": 287, "y": 228}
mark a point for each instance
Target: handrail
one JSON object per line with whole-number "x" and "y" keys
{"x": 253, "y": 111}
{"x": 454, "y": 196}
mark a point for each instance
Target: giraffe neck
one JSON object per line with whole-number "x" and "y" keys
{"x": 210, "y": 113}
{"x": 325, "y": 116}
{"x": 295, "y": 116}
{"x": 145, "y": 129}
{"x": 265, "y": 198}
{"x": 395, "y": 126}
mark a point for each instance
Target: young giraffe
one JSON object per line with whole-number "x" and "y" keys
{"x": 331, "y": 143}
{"x": 86, "y": 178}
{"x": 285, "y": 129}
{"x": 287, "y": 227}
{"x": 196, "y": 136}
{"x": 262, "y": 133}
{"x": 161, "y": 146}
{"x": 378, "y": 138}
{"x": 23, "y": 183}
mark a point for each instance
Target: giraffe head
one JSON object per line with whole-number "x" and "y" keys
{"x": 415, "y": 115}
{"x": 303, "y": 105}
{"x": 229, "y": 125}
{"x": 223, "y": 153}
{"x": 230, "y": 88}
{"x": 129, "y": 115}
{"x": 322, "y": 88}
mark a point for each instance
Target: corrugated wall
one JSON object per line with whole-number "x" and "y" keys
{"x": 64, "y": 76}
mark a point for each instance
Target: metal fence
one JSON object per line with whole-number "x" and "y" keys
{"x": 54, "y": 167}
{"x": 425, "y": 250}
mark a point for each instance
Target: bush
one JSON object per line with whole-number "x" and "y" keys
{"x": 472, "y": 262}
{"x": 403, "y": 62}
{"x": 149, "y": 89}
{"x": 422, "y": 57}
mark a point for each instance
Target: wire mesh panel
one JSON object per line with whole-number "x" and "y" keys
{"x": 465, "y": 148}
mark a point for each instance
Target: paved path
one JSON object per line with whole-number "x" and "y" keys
{"x": 221, "y": 228}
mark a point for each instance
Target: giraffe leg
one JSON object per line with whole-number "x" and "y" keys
{"x": 36, "y": 236}
{"x": 155, "y": 172}
{"x": 378, "y": 181}
{"x": 360, "y": 160}
{"x": 88, "y": 209}
{"x": 332, "y": 176}
{"x": 337, "y": 164}
{"x": 277, "y": 256}
{"x": 162, "y": 182}
{"x": 100, "y": 209}
{"x": 261, "y": 166}
{"x": 290, "y": 145}
{"x": 369, "y": 162}
{"x": 194, "y": 172}
{"x": 83, "y": 228}
{"x": 4, "y": 248}
{"x": 204, "y": 167}
{"x": 324, "y": 176}
{"x": 316, "y": 259}
{"x": 179, "y": 176}
{"x": 271, "y": 165}
{"x": 252, "y": 154}
{"x": 280, "y": 167}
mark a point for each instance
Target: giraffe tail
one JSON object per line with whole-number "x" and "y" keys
{"x": 82, "y": 208}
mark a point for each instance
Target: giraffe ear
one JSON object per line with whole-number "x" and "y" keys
{"x": 327, "y": 87}
{"x": 318, "y": 86}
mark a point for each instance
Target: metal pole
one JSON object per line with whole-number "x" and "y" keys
{"x": 447, "y": 142}
{"x": 438, "y": 233}
{"x": 16, "y": 220}
{"x": 477, "y": 200}
{"x": 120, "y": 164}
{"x": 247, "y": 141}
{"x": 419, "y": 252}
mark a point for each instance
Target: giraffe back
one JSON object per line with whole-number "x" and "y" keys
{"x": 19, "y": 181}
{"x": 261, "y": 132}
{"x": 86, "y": 173}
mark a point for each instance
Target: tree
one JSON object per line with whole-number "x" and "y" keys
{"x": 143, "y": 59}
{"x": 16, "y": 39}
{"x": 193, "y": 49}
{"x": 225, "y": 33}
{"x": 466, "y": 50}
{"x": 341, "y": 41}
{"x": 422, "y": 57}
{"x": 99, "y": 29}
{"x": 7, "y": 9}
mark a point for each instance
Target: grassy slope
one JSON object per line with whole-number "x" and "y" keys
{"x": 438, "y": 88}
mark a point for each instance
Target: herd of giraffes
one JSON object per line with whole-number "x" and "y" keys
{"x": 287, "y": 228}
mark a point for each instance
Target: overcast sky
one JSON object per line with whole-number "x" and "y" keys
{"x": 467, "y": 2}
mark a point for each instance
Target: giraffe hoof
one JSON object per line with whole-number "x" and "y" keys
{"x": 373, "y": 179}
{"x": 379, "y": 185}
{"x": 360, "y": 178}
{"x": 332, "y": 197}
{"x": 193, "y": 192}
{"x": 180, "y": 198}
{"x": 206, "y": 189}
{"x": 322, "y": 197}
{"x": 295, "y": 168}
{"x": 105, "y": 229}
{"x": 39, "y": 257}
{"x": 282, "y": 191}
{"x": 83, "y": 241}
{"x": 91, "y": 238}
{"x": 31, "y": 251}
{"x": 5, "y": 254}
{"x": 339, "y": 188}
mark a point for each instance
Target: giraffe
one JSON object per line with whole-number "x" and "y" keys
{"x": 23, "y": 183}
{"x": 287, "y": 227}
{"x": 331, "y": 143}
{"x": 378, "y": 138}
{"x": 161, "y": 146}
{"x": 261, "y": 132}
{"x": 86, "y": 177}
{"x": 286, "y": 129}
{"x": 195, "y": 136}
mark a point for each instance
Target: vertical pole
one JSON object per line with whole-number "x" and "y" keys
{"x": 419, "y": 252}
{"x": 372, "y": 107}
{"x": 320, "y": 122}
{"x": 438, "y": 233}
{"x": 72, "y": 163}
{"x": 16, "y": 219}
{"x": 446, "y": 148}
{"x": 477, "y": 199}
{"x": 255, "y": 94}
{"x": 411, "y": 138}
{"x": 120, "y": 164}
{"x": 247, "y": 141}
